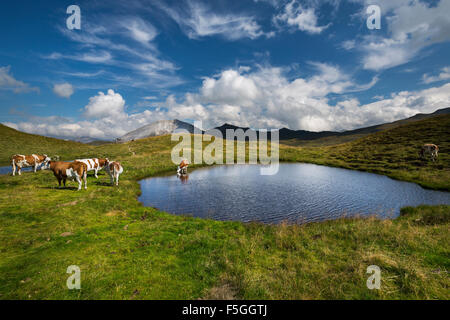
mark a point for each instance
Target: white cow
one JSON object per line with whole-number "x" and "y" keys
{"x": 94, "y": 164}
{"x": 20, "y": 161}
{"x": 114, "y": 169}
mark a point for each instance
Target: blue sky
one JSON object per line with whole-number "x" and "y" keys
{"x": 311, "y": 65}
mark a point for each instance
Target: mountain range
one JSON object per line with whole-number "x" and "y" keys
{"x": 171, "y": 126}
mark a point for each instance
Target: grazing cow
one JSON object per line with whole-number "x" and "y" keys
{"x": 430, "y": 149}
{"x": 22, "y": 161}
{"x": 94, "y": 164}
{"x": 114, "y": 169}
{"x": 182, "y": 168}
{"x": 74, "y": 170}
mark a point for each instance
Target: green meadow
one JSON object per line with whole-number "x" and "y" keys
{"x": 127, "y": 251}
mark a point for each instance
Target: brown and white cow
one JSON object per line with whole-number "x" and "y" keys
{"x": 94, "y": 164}
{"x": 182, "y": 168}
{"x": 20, "y": 161}
{"x": 114, "y": 169}
{"x": 430, "y": 149}
{"x": 73, "y": 170}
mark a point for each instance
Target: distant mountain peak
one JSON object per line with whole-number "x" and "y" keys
{"x": 158, "y": 128}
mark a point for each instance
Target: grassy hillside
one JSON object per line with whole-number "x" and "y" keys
{"x": 393, "y": 152}
{"x": 16, "y": 142}
{"x": 127, "y": 251}
{"x": 356, "y": 134}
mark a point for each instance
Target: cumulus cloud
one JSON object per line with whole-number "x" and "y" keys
{"x": 108, "y": 105}
{"x": 273, "y": 101}
{"x": 263, "y": 98}
{"x": 299, "y": 17}
{"x": 64, "y": 90}
{"x": 8, "y": 82}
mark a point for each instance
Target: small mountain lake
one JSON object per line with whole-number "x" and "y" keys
{"x": 8, "y": 170}
{"x": 298, "y": 193}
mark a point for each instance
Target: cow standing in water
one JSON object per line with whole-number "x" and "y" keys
{"x": 114, "y": 169}
{"x": 19, "y": 161}
{"x": 72, "y": 170}
{"x": 94, "y": 164}
{"x": 182, "y": 168}
{"x": 430, "y": 149}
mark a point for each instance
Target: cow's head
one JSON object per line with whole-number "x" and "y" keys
{"x": 46, "y": 163}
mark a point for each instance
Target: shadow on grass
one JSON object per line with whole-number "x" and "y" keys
{"x": 101, "y": 183}
{"x": 60, "y": 188}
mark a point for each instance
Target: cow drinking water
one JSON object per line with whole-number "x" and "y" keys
{"x": 94, "y": 164}
{"x": 20, "y": 161}
{"x": 430, "y": 149}
{"x": 73, "y": 170}
{"x": 182, "y": 168}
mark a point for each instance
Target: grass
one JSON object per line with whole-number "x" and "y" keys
{"x": 127, "y": 251}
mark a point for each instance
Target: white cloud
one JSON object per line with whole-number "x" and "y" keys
{"x": 196, "y": 21}
{"x": 107, "y": 42}
{"x": 272, "y": 101}
{"x": 108, "y": 105}
{"x": 83, "y": 74}
{"x": 8, "y": 82}
{"x": 444, "y": 75}
{"x": 264, "y": 98}
{"x": 348, "y": 44}
{"x": 140, "y": 30}
{"x": 64, "y": 90}
{"x": 295, "y": 15}
{"x": 90, "y": 57}
{"x": 411, "y": 27}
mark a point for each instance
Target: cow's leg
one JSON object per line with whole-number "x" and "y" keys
{"x": 85, "y": 180}
{"x": 64, "y": 181}
{"x": 34, "y": 168}
{"x": 112, "y": 178}
{"x": 14, "y": 168}
{"x": 19, "y": 170}
{"x": 95, "y": 173}
{"x": 117, "y": 179}
{"x": 59, "y": 182}
{"x": 80, "y": 183}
